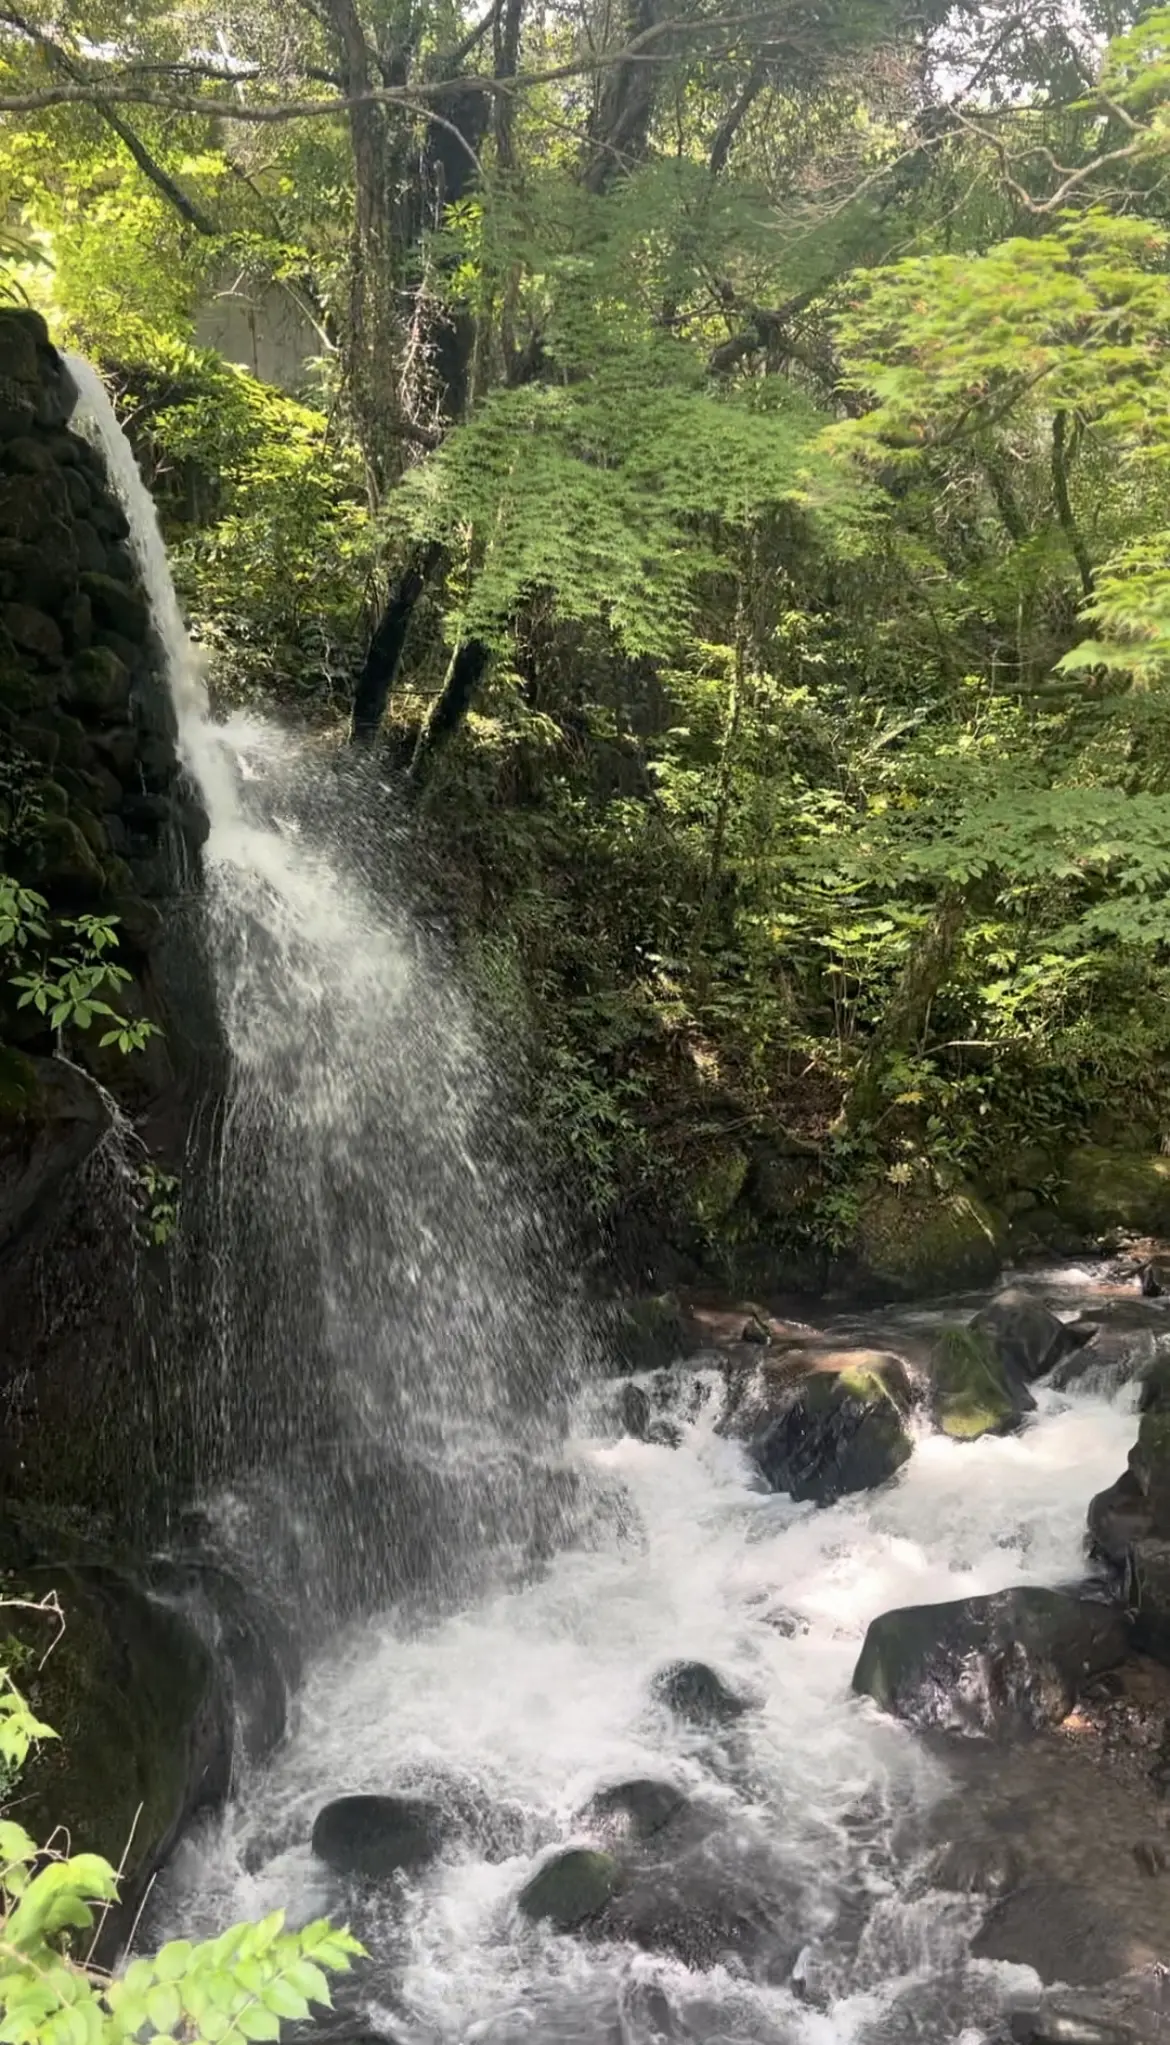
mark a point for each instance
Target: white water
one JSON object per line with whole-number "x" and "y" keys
{"x": 541, "y": 1696}
{"x": 374, "y": 1269}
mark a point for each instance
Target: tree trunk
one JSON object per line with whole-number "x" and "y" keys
{"x": 450, "y": 707}
{"x": 384, "y": 656}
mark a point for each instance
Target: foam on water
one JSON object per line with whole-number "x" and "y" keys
{"x": 541, "y": 1695}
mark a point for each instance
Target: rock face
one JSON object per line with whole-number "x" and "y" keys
{"x": 374, "y": 1837}
{"x": 144, "y": 1721}
{"x": 980, "y": 1665}
{"x": 1129, "y": 1525}
{"x": 909, "y": 1245}
{"x": 819, "y": 1422}
{"x": 94, "y": 819}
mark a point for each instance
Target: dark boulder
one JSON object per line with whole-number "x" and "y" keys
{"x": 1025, "y": 1334}
{"x": 143, "y": 1719}
{"x": 1154, "y": 1278}
{"x": 980, "y": 1665}
{"x": 973, "y": 1391}
{"x": 636, "y": 1810}
{"x": 1118, "y": 1518}
{"x": 572, "y": 1888}
{"x": 819, "y": 1422}
{"x": 695, "y": 1693}
{"x": 374, "y": 1837}
{"x": 721, "y": 1895}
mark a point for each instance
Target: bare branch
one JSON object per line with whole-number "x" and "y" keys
{"x": 123, "y": 87}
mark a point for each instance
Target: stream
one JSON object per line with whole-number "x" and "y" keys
{"x": 433, "y": 1399}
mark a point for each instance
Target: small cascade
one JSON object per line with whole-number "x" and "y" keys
{"x": 379, "y": 1322}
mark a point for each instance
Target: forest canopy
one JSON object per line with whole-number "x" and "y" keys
{"x": 723, "y": 469}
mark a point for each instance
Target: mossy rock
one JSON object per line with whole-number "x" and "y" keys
{"x": 1109, "y": 1193}
{"x": 973, "y": 1390}
{"x": 716, "y": 1184}
{"x": 572, "y": 1888}
{"x": 908, "y": 1245}
{"x": 143, "y": 1733}
{"x": 821, "y": 1422}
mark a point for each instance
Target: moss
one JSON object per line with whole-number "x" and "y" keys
{"x": 912, "y": 1244}
{"x": 716, "y": 1185}
{"x": 972, "y": 1393}
{"x": 571, "y": 1889}
{"x": 129, "y": 1690}
{"x": 1106, "y": 1193}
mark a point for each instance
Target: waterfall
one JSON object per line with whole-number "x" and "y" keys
{"x": 378, "y": 1324}
{"x": 381, "y": 1354}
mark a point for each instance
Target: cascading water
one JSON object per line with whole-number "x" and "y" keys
{"x": 383, "y": 1332}
{"x": 378, "y": 1342}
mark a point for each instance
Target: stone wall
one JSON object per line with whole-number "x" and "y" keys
{"x": 96, "y": 818}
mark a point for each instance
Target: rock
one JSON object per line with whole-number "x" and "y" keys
{"x": 1106, "y": 1193}
{"x": 121, "y": 608}
{"x": 572, "y": 1888}
{"x": 634, "y": 1810}
{"x": 695, "y": 1693}
{"x": 253, "y": 1649}
{"x": 1025, "y": 1334}
{"x": 635, "y": 1411}
{"x": 1058, "y": 1929}
{"x": 1154, "y": 1278}
{"x": 977, "y": 1867}
{"x": 30, "y": 506}
{"x": 60, "y": 1118}
{"x": 1063, "y": 2025}
{"x": 98, "y": 681}
{"x": 721, "y": 1895}
{"x": 978, "y": 1665}
{"x": 1151, "y": 1856}
{"x": 145, "y": 1734}
{"x": 34, "y": 633}
{"x": 374, "y": 1837}
{"x": 908, "y": 1245}
{"x": 118, "y": 749}
{"x": 819, "y": 1422}
{"x": 973, "y": 1392}
{"x": 27, "y": 456}
{"x": 17, "y": 409}
{"x": 1117, "y": 1518}
{"x": 65, "y": 864}
{"x": 91, "y": 552}
{"x": 755, "y": 1332}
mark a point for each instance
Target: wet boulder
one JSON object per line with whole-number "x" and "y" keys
{"x": 695, "y": 1693}
{"x": 820, "y": 1421}
{"x": 716, "y": 1895}
{"x": 142, "y": 1716}
{"x": 572, "y": 1888}
{"x": 1026, "y": 1335}
{"x": 1154, "y": 1278}
{"x": 633, "y": 1811}
{"x": 973, "y": 1391}
{"x": 374, "y": 1837}
{"x": 1014, "y": 1660}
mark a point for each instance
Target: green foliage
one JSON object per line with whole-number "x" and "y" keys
{"x": 244, "y": 1985}
{"x": 66, "y": 986}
